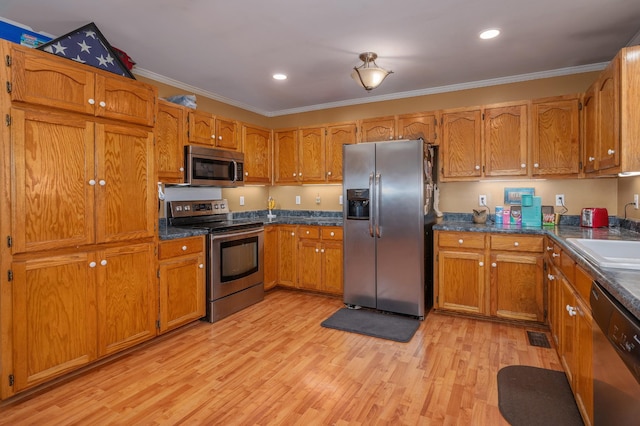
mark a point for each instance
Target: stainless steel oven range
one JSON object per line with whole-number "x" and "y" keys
{"x": 235, "y": 252}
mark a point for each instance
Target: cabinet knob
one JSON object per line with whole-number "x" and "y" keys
{"x": 611, "y": 151}
{"x": 549, "y": 248}
{"x": 201, "y": 266}
{"x": 103, "y": 262}
{"x": 523, "y": 166}
{"x": 390, "y": 138}
{"x": 571, "y": 310}
{"x": 516, "y": 244}
{"x": 102, "y": 104}
{"x": 550, "y": 277}
{"x": 480, "y": 263}
{"x": 555, "y": 254}
{"x": 536, "y": 165}
{"x": 91, "y": 101}
{"x": 477, "y": 167}
{"x": 92, "y": 264}
{"x": 219, "y": 138}
{"x": 321, "y": 250}
{"x": 592, "y": 159}
{"x": 102, "y": 182}
{"x": 460, "y": 241}
{"x": 184, "y": 248}
{"x": 300, "y": 174}
{"x": 182, "y": 169}
{"x": 307, "y": 232}
{"x": 295, "y": 174}
{"x": 332, "y": 233}
{"x": 213, "y": 136}
{"x": 246, "y": 173}
{"x": 494, "y": 265}
{"x": 92, "y": 182}
{"x": 317, "y": 250}
{"x": 328, "y": 173}
{"x": 293, "y": 234}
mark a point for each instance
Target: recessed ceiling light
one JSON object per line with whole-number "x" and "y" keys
{"x": 487, "y": 34}
{"x": 279, "y": 76}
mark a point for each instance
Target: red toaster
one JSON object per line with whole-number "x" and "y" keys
{"x": 594, "y": 217}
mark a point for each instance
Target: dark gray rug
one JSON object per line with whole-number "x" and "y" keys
{"x": 530, "y": 396}
{"x": 371, "y": 323}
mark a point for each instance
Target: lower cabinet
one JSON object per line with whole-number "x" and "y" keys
{"x": 307, "y": 257}
{"x": 270, "y": 257}
{"x": 181, "y": 271}
{"x": 510, "y": 287}
{"x": 71, "y": 309}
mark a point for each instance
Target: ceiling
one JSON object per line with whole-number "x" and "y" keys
{"x": 229, "y": 49}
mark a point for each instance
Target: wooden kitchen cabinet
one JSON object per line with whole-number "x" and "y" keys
{"x": 171, "y": 136}
{"x": 287, "y": 255}
{"x": 556, "y": 136}
{"x": 461, "y": 272}
{"x": 107, "y": 192}
{"x": 285, "y": 143}
{"x": 506, "y": 139}
{"x": 378, "y": 129}
{"x": 227, "y": 134}
{"x": 461, "y": 144}
{"x": 181, "y": 272}
{"x": 202, "y": 128}
{"x": 407, "y": 126}
{"x": 517, "y": 290}
{"x": 320, "y": 259}
{"x": 589, "y": 129}
{"x": 270, "y": 257}
{"x": 43, "y": 79}
{"x": 256, "y": 143}
{"x": 312, "y": 151}
{"x": 338, "y": 135}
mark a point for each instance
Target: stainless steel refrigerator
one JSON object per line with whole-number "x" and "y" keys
{"x": 388, "y": 216}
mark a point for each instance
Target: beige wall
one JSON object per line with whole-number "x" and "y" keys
{"x": 285, "y": 197}
{"x": 627, "y": 187}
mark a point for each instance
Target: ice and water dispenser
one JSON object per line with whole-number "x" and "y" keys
{"x": 358, "y": 203}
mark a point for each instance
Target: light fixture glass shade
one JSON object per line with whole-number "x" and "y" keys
{"x": 369, "y": 75}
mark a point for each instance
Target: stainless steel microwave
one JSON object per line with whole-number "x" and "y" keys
{"x": 213, "y": 167}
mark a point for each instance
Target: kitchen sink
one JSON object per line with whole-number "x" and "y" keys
{"x": 609, "y": 253}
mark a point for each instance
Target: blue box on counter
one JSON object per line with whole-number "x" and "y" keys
{"x": 21, "y": 34}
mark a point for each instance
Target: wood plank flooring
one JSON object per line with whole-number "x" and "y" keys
{"x": 274, "y": 364}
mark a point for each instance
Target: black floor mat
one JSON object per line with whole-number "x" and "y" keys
{"x": 371, "y": 323}
{"x": 538, "y": 339}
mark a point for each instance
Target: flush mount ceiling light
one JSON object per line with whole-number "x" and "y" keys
{"x": 369, "y": 75}
{"x": 279, "y": 77}
{"x": 487, "y": 34}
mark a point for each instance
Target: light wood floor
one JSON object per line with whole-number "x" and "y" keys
{"x": 274, "y": 364}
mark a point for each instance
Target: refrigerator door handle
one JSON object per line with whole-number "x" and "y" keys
{"x": 378, "y": 194}
{"x": 370, "y": 195}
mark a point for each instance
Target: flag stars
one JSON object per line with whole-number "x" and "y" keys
{"x": 102, "y": 61}
{"x": 79, "y": 59}
{"x": 84, "y": 47}
{"x": 59, "y": 49}
{"x": 91, "y": 34}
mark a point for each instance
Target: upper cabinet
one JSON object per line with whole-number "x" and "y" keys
{"x": 408, "y": 126}
{"x": 256, "y": 144}
{"x": 43, "y": 79}
{"x": 171, "y": 136}
{"x": 556, "y": 136}
{"x": 207, "y": 129}
{"x": 506, "y": 140}
{"x": 285, "y": 142}
{"x": 461, "y": 144}
{"x": 338, "y": 135}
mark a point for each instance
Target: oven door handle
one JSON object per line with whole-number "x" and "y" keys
{"x": 236, "y": 234}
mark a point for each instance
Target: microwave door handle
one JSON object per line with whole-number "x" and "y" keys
{"x": 370, "y": 206}
{"x": 378, "y": 202}
{"x": 235, "y": 170}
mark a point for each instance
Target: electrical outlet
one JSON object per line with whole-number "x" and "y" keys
{"x": 559, "y": 200}
{"x": 242, "y": 200}
{"x": 635, "y": 202}
{"x": 297, "y": 199}
{"x": 482, "y": 200}
{"x": 340, "y": 200}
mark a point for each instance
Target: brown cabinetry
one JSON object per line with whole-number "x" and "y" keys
{"x": 285, "y": 147}
{"x": 461, "y": 144}
{"x": 320, "y": 259}
{"x": 43, "y": 79}
{"x": 270, "y": 257}
{"x": 407, "y": 126}
{"x": 207, "y": 129}
{"x": 181, "y": 271}
{"x": 171, "y": 136}
{"x": 287, "y": 255}
{"x": 256, "y": 144}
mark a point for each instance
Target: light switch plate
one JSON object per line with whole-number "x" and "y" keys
{"x": 297, "y": 199}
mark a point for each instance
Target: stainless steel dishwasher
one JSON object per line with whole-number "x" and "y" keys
{"x": 616, "y": 361}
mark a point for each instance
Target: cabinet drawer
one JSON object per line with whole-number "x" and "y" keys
{"x": 312, "y": 232}
{"x": 517, "y": 243}
{"x": 461, "y": 240}
{"x": 331, "y": 233}
{"x": 180, "y": 247}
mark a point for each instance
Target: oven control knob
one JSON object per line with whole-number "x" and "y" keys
{"x": 222, "y": 206}
{"x": 216, "y": 206}
{"x": 187, "y": 208}
{"x": 178, "y": 208}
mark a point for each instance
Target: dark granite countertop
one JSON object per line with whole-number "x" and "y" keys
{"x": 623, "y": 284}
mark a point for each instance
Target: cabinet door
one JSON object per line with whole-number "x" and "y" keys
{"x": 378, "y": 129}
{"x": 415, "y": 126}
{"x": 287, "y": 255}
{"x": 556, "y": 135}
{"x": 226, "y": 134}
{"x": 286, "y": 156}
{"x": 567, "y": 329}
{"x": 127, "y": 304}
{"x": 123, "y": 99}
{"x": 44, "y": 79}
{"x": 312, "y": 155}
{"x": 171, "y": 135}
{"x": 338, "y": 136}
{"x": 461, "y": 144}
{"x": 202, "y": 128}
{"x": 590, "y": 130}
{"x": 53, "y": 157}
{"x": 54, "y": 317}
{"x": 608, "y": 100}
{"x": 584, "y": 360}
{"x": 126, "y": 191}
{"x": 506, "y": 140}
{"x": 554, "y": 288}
{"x": 461, "y": 282}
{"x": 182, "y": 290}
{"x": 310, "y": 265}
{"x": 517, "y": 290}
{"x": 257, "y": 154}
{"x": 270, "y": 257}
{"x": 332, "y": 267}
